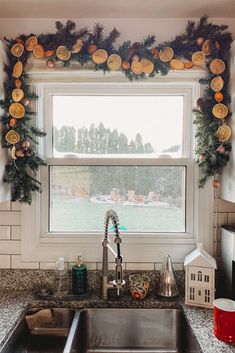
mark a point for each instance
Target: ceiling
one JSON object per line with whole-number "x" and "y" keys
{"x": 116, "y": 9}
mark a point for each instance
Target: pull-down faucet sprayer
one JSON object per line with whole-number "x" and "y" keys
{"x": 118, "y": 282}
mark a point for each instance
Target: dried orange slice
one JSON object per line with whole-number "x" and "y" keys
{"x": 166, "y": 54}
{"x": 125, "y": 65}
{"x": 224, "y": 133}
{"x": 207, "y": 47}
{"x": 63, "y": 53}
{"x": 38, "y": 51}
{"x": 114, "y": 62}
{"x": 18, "y": 83}
{"x": 137, "y": 67}
{"x": 176, "y": 64}
{"x": 12, "y": 122}
{"x": 219, "y": 97}
{"x": 77, "y": 47}
{"x": 100, "y": 56}
{"x": 17, "y": 49}
{"x": 155, "y": 53}
{"x": 49, "y": 53}
{"x": 17, "y": 94}
{"x": 217, "y": 83}
{"x": 17, "y": 110}
{"x": 220, "y": 111}
{"x": 217, "y": 66}
{"x": 92, "y": 48}
{"x": 198, "y": 58}
{"x": 12, "y": 137}
{"x": 148, "y": 66}
{"x": 17, "y": 69}
{"x": 30, "y": 43}
{"x": 188, "y": 64}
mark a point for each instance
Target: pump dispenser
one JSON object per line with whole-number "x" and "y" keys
{"x": 61, "y": 278}
{"x": 79, "y": 278}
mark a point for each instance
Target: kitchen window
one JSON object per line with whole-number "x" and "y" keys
{"x": 128, "y": 128}
{"x": 116, "y": 145}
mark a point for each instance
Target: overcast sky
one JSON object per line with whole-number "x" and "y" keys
{"x": 157, "y": 118}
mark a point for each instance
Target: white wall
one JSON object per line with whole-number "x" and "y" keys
{"x": 135, "y": 30}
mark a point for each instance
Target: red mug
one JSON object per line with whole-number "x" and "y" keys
{"x": 224, "y": 319}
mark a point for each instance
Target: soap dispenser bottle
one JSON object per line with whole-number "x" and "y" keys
{"x": 61, "y": 278}
{"x": 79, "y": 278}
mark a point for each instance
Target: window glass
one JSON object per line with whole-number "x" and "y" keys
{"x": 146, "y": 198}
{"x": 114, "y": 124}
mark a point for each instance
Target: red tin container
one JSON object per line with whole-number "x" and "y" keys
{"x": 224, "y": 319}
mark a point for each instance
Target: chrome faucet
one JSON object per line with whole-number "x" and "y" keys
{"x": 118, "y": 282}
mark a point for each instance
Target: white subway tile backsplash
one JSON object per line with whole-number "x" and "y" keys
{"x": 220, "y": 218}
{"x": 176, "y": 266}
{"x": 111, "y": 266}
{"x": 224, "y": 206}
{"x": 91, "y": 266}
{"x": 8, "y": 247}
{"x": 217, "y": 234}
{"x": 15, "y": 206}
{"x": 217, "y": 193}
{"x": 5, "y": 232}
{"x": 145, "y": 266}
{"x": 16, "y": 232}
{"x": 218, "y": 248}
{"x": 5, "y": 261}
{"x": 231, "y": 218}
{"x": 17, "y": 263}
{"x": 10, "y": 218}
{"x": 5, "y": 206}
{"x": 215, "y": 249}
{"x": 47, "y": 265}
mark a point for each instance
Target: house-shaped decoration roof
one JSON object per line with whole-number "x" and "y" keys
{"x": 200, "y": 257}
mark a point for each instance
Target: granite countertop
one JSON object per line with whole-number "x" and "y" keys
{"x": 14, "y": 304}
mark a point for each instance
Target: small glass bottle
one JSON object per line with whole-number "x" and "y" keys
{"x": 61, "y": 278}
{"x": 79, "y": 277}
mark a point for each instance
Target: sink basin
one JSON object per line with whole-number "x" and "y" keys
{"x": 131, "y": 330}
{"x": 41, "y": 336}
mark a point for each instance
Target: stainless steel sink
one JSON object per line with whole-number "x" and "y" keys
{"x": 105, "y": 331}
{"x": 130, "y": 331}
{"x": 48, "y": 336}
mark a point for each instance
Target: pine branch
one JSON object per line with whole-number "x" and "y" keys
{"x": 98, "y": 34}
{"x": 108, "y": 42}
{"x": 38, "y": 132}
{"x": 149, "y": 41}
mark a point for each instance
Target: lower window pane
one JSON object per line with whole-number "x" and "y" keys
{"x": 146, "y": 198}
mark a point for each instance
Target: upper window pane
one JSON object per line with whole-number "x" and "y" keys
{"x": 125, "y": 124}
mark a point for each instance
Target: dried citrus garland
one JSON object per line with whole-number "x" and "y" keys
{"x": 201, "y": 45}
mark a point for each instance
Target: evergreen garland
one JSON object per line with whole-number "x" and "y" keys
{"x": 21, "y": 171}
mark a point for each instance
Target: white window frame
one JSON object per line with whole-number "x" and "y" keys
{"x": 38, "y": 245}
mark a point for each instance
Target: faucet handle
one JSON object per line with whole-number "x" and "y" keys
{"x": 118, "y": 285}
{"x": 118, "y": 282}
{"x": 118, "y": 239}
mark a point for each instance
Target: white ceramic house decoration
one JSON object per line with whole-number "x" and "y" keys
{"x": 200, "y": 278}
